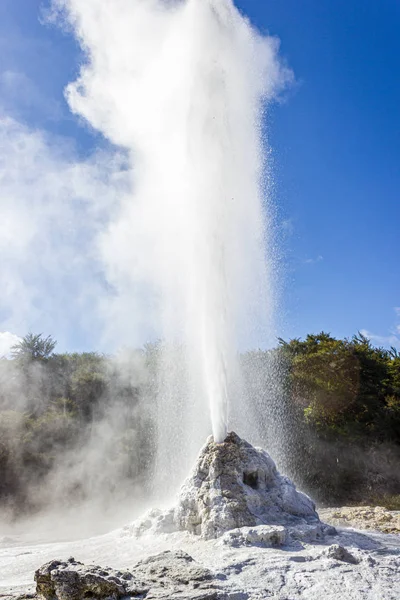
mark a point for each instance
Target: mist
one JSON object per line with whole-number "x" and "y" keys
{"x": 167, "y": 234}
{"x": 183, "y": 87}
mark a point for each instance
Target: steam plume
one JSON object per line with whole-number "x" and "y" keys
{"x": 182, "y": 87}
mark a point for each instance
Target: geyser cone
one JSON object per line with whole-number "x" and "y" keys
{"x": 236, "y": 485}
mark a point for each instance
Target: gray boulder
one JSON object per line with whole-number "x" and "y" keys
{"x": 164, "y": 576}
{"x": 72, "y": 580}
{"x": 340, "y": 553}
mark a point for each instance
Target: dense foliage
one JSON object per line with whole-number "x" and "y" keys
{"x": 345, "y": 403}
{"x": 345, "y": 388}
{"x": 340, "y": 401}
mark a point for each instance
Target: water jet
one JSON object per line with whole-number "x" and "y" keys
{"x": 183, "y": 87}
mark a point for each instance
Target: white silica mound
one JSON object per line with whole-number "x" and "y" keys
{"x": 235, "y": 485}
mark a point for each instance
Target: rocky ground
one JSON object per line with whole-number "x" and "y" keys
{"x": 239, "y": 531}
{"x": 375, "y": 518}
{"x": 349, "y": 566}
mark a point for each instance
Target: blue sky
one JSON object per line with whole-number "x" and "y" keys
{"x": 337, "y": 148}
{"x": 335, "y": 140}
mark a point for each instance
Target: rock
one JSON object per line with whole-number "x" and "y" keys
{"x": 170, "y": 574}
{"x": 235, "y": 485}
{"x": 72, "y": 580}
{"x": 176, "y": 572}
{"x": 267, "y": 536}
{"x": 340, "y": 553}
{"x": 309, "y": 533}
{"x": 270, "y": 536}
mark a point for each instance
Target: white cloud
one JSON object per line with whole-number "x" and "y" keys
{"x": 382, "y": 340}
{"x": 7, "y": 341}
{"x": 392, "y": 339}
{"x": 313, "y": 261}
{"x": 397, "y": 326}
{"x": 287, "y": 227}
{"x": 53, "y": 207}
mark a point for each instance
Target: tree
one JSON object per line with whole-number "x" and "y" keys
{"x": 34, "y": 347}
{"x": 345, "y": 387}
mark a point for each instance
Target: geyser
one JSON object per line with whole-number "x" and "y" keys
{"x": 182, "y": 86}
{"x": 236, "y": 491}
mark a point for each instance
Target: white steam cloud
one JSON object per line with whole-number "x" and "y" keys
{"x": 52, "y": 207}
{"x": 7, "y": 341}
{"x": 167, "y": 238}
{"x": 182, "y": 87}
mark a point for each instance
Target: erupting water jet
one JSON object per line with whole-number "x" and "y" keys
{"x": 183, "y": 87}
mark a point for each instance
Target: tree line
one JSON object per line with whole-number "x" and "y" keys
{"x": 340, "y": 400}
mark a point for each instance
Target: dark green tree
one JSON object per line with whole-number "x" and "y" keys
{"x": 34, "y": 347}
